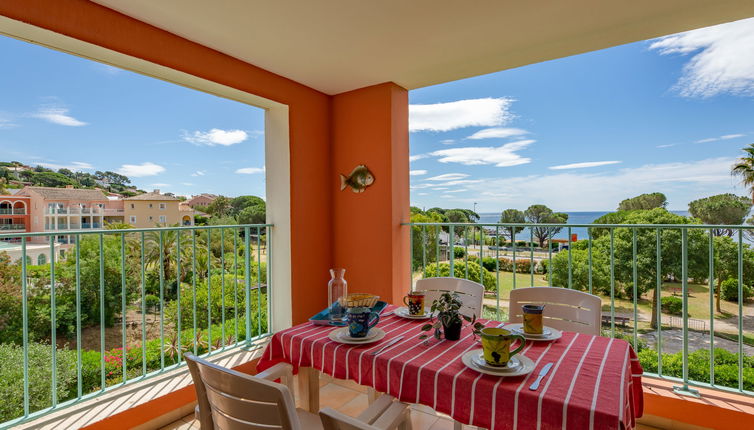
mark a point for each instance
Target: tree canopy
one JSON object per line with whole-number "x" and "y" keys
{"x": 512, "y": 216}
{"x": 644, "y": 202}
{"x": 726, "y": 209}
{"x": 541, "y": 214}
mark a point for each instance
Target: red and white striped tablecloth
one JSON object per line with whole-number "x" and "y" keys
{"x": 595, "y": 382}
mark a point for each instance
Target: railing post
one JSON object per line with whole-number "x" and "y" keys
{"x": 685, "y": 389}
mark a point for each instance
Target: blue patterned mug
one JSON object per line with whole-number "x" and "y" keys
{"x": 360, "y": 320}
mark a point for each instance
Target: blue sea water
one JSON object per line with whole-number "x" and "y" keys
{"x": 573, "y": 218}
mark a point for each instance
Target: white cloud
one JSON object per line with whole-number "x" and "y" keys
{"x": 501, "y": 156}
{"x": 6, "y": 121}
{"x": 583, "y": 165}
{"x": 681, "y": 182}
{"x": 57, "y": 115}
{"x": 457, "y": 191}
{"x": 251, "y": 170}
{"x": 417, "y": 172}
{"x": 417, "y": 157}
{"x": 199, "y": 173}
{"x": 723, "y": 137}
{"x": 486, "y": 112}
{"x": 188, "y": 184}
{"x": 722, "y": 59}
{"x": 216, "y": 136}
{"x": 448, "y": 177}
{"x": 75, "y": 166}
{"x": 448, "y": 141}
{"x": 497, "y": 132}
{"x": 160, "y": 185}
{"x": 140, "y": 170}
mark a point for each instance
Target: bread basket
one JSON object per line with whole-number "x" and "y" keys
{"x": 355, "y": 300}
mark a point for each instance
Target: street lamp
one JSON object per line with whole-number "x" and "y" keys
{"x": 474, "y": 207}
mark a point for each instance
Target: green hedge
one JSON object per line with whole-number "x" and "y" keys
{"x": 477, "y": 273}
{"x": 726, "y": 366}
{"x": 672, "y": 305}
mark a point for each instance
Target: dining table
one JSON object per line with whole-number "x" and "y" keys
{"x": 594, "y": 382}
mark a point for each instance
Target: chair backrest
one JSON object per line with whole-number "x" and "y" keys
{"x": 565, "y": 309}
{"x": 231, "y": 400}
{"x": 470, "y": 293}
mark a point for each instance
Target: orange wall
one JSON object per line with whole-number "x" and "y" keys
{"x": 370, "y": 126}
{"x": 311, "y": 181}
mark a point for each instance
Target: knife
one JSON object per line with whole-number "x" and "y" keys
{"x": 542, "y": 374}
{"x": 387, "y": 345}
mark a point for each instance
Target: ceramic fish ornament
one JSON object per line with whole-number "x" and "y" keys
{"x": 359, "y": 179}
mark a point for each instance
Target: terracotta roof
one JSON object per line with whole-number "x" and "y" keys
{"x": 51, "y": 193}
{"x": 152, "y": 196}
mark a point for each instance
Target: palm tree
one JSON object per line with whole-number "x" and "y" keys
{"x": 744, "y": 168}
{"x": 152, "y": 255}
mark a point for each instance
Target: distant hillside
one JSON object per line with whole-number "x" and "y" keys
{"x": 19, "y": 174}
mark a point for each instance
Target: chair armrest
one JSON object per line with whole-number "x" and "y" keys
{"x": 278, "y": 371}
{"x": 335, "y": 419}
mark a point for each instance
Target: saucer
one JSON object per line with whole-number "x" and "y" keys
{"x": 403, "y": 313}
{"x": 470, "y": 359}
{"x": 342, "y": 335}
{"x": 478, "y": 359}
{"x": 548, "y": 333}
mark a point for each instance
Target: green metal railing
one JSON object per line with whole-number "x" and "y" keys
{"x": 634, "y": 268}
{"x": 124, "y": 305}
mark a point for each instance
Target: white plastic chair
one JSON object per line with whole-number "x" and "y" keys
{"x": 231, "y": 400}
{"x": 565, "y": 309}
{"x": 470, "y": 293}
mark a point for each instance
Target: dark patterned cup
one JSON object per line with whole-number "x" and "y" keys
{"x": 361, "y": 320}
{"x": 415, "y": 302}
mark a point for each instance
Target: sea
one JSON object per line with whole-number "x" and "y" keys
{"x": 573, "y": 218}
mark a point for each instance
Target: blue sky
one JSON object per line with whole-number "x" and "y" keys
{"x": 59, "y": 110}
{"x": 667, "y": 115}
{"x": 579, "y": 133}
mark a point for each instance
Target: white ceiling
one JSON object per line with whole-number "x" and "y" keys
{"x": 341, "y": 45}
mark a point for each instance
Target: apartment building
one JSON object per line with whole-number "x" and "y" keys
{"x": 14, "y": 213}
{"x": 153, "y": 208}
{"x": 201, "y": 201}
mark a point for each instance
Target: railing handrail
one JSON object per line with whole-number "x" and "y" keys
{"x": 139, "y": 230}
{"x": 677, "y": 226}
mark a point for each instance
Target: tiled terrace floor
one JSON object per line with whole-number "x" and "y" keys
{"x": 351, "y": 399}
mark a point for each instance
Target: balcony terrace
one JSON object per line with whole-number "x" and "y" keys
{"x": 102, "y": 329}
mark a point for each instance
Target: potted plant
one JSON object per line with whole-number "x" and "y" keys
{"x": 448, "y": 321}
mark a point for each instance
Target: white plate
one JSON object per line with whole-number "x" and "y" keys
{"x": 403, "y": 313}
{"x": 525, "y": 367}
{"x": 341, "y": 335}
{"x": 548, "y": 334}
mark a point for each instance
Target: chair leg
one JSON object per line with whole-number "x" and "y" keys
{"x": 371, "y": 395}
{"x": 457, "y": 425}
{"x": 309, "y": 389}
{"x": 406, "y": 424}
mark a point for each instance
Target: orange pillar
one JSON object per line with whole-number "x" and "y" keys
{"x": 370, "y": 127}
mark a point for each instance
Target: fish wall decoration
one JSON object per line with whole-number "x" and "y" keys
{"x": 358, "y": 180}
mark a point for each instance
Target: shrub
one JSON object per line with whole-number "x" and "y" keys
{"x": 40, "y": 378}
{"x": 729, "y": 289}
{"x": 459, "y": 252}
{"x": 672, "y": 305}
{"x": 477, "y": 273}
{"x": 523, "y": 265}
{"x": 490, "y": 264}
{"x": 152, "y": 302}
{"x": 234, "y": 292}
{"x": 726, "y": 366}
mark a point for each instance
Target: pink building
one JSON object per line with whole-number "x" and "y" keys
{"x": 14, "y": 213}
{"x": 61, "y": 209}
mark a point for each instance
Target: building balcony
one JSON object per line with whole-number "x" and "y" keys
{"x": 15, "y": 211}
{"x": 12, "y": 226}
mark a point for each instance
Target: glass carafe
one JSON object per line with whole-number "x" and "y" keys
{"x": 337, "y": 288}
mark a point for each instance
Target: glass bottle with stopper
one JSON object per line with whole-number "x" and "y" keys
{"x": 337, "y": 288}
